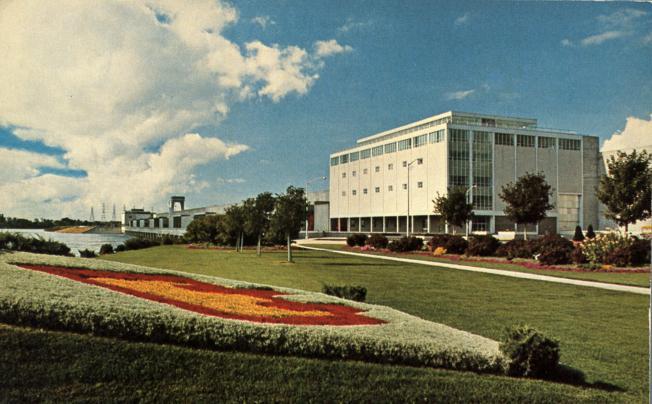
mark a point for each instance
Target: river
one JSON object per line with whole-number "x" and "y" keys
{"x": 76, "y": 242}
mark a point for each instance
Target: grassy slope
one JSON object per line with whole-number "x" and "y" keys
{"x": 63, "y": 367}
{"x": 602, "y": 333}
{"x": 634, "y": 279}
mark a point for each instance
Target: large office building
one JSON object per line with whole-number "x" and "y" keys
{"x": 390, "y": 176}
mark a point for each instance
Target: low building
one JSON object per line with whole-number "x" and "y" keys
{"x": 388, "y": 177}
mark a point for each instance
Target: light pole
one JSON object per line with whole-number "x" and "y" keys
{"x": 468, "y": 195}
{"x": 308, "y": 207}
{"x": 407, "y": 222}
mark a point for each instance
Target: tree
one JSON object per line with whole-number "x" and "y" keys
{"x": 233, "y": 224}
{"x": 257, "y": 215}
{"x": 454, "y": 208}
{"x": 204, "y": 229}
{"x": 625, "y": 190}
{"x": 289, "y": 214}
{"x": 527, "y": 200}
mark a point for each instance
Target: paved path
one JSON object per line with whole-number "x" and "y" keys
{"x": 512, "y": 274}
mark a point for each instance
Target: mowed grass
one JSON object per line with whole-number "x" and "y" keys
{"x": 621, "y": 278}
{"x": 603, "y": 333}
{"x": 63, "y": 367}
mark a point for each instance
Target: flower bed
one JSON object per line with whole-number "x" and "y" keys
{"x": 95, "y": 296}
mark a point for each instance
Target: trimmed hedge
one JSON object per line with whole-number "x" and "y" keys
{"x": 140, "y": 243}
{"x": 356, "y": 240}
{"x": 516, "y": 249}
{"x": 378, "y": 241}
{"x": 27, "y": 298}
{"x": 554, "y": 250}
{"x": 406, "y": 244}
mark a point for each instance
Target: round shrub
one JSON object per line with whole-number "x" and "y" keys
{"x": 377, "y": 241}
{"x": 553, "y": 249}
{"x": 405, "y": 244}
{"x": 620, "y": 257}
{"x": 578, "y": 257}
{"x": 602, "y": 248}
{"x": 167, "y": 240}
{"x": 530, "y": 353}
{"x": 578, "y": 236}
{"x": 106, "y": 249}
{"x": 87, "y": 253}
{"x": 589, "y": 232}
{"x": 452, "y": 243}
{"x": 516, "y": 249}
{"x": 356, "y": 240}
{"x": 640, "y": 252}
{"x": 120, "y": 248}
{"x": 482, "y": 245}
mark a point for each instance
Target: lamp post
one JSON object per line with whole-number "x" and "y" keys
{"x": 468, "y": 195}
{"x": 308, "y": 207}
{"x": 407, "y": 222}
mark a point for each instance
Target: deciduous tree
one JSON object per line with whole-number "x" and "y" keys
{"x": 527, "y": 200}
{"x": 289, "y": 214}
{"x": 257, "y": 214}
{"x": 453, "y": 207}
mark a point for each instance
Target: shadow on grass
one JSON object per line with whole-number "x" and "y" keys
{"x": 575, "y": 377}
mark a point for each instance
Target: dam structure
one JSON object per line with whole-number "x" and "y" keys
{"x": 147, "y": 224}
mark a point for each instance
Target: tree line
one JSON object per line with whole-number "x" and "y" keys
{"x": 20, "y": 223}
{"x": 266, "y": 219}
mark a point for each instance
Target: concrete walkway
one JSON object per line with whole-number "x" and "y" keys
{"x": 512, "y": 274}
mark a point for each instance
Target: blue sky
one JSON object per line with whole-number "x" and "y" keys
{"x": 572, "y": 65}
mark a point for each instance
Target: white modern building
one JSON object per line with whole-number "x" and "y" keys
{"x": 374, "y": 184}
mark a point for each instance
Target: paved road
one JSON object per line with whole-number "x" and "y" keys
{"x": 512, "y": 274}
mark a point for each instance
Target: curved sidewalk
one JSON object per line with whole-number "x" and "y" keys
{"x": 500, "y": 272}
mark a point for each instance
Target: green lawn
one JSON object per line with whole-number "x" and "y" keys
{"x": 603, "y": 333}
{"x": 62, "y": 367}
{"x": 633, "y": 279}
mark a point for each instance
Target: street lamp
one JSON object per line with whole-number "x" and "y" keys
{"x": 407, "y": 224}
{"x": 467, "y": 194}
{"x": 308, "y": 207}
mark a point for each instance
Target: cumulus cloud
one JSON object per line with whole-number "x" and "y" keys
{"x": 330, "y": 47}
{"x": 566, "y": 42}
{"x": 637, "y": 134}
{"x": 120, "y": 85}
{"x": 27, "y": 164}
{"x": 462, "y": 20}
{"x": 619, "y": 24}
{"x": 263, "y": 21}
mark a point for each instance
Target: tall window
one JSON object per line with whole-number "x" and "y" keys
{"x": 344, "y": 158}
{"x": 524, "y": 141}
{"x": 569, "y": 144}
{"x": 365, "y": 154}
{"x": 482, "y": 170}
{"x": 420, "y": 140}
{"x": 377, "y": 151}
{"x": 458, "y": 158}
{"x": 545, "y": 142}
{"x": 390, "y": 147}
{"x": 505, "y": 139}
{"x": 437, "y": 136}
{"x": 355, "y": 156}
{"x": 335, "y": 161}
{"x": 404, "y": 144}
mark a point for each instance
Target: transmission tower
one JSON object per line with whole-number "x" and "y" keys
{"x": 103, "y": 212}
{"x": 92, "y": 218}
{"x": 113, "y": 218}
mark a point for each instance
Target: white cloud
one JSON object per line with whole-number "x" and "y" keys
{"x": 20, "y": 164}
{"x": 647, "y": 39}
{"x": 637, "y": 134}
{"x": 330, "y": 47}
{"x": 602, "y": 37}
{"x": 352, "y": 25}
{"x": 108, "y": 82}
{"x": 459, "y": 95}
{"x": 263, "y": 20}
{"x": 463, "y": 19}
{"x": 566, "y": 42}
{"x": 621, "y": 18}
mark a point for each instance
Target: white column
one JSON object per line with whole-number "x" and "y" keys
{"x": 428, "y": 223}
{"x": 383, "y": 224}
{"x": 359, "y": 224}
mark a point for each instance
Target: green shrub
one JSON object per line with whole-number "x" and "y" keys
{"x": 120, "y": 248}
{"x": 87, "y": 253}
{"x": 452, "y": 243}
{"x": 640, "y": 252}
{"x": 530, "y": 353}
{"x": 578, "y": 236}
{"x": 578, "y": 257}
{"x": 377, "y": 241}
{"x": 589, "y": 232}
{"x": 106, "y": 249}
{"x": 351, "y": 292}
{"x": 553, "y": 249}
{"x": 356, "y": 240}
{"x": 167, "y": 240}
{"x": 406, "y": 244}
{"x": 608, "y": 248}
{"x": 516, "y": 248}
{"x": 140, "y": 243}
{"x": 482, "y": 245}
{"x": 38, "y": 245}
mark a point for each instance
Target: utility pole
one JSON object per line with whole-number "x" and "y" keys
{"x": 92, "y": 217}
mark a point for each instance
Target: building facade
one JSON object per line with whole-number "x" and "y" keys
{"x": 374, "y": 184}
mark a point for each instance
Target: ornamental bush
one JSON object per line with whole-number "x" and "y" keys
{"x": 609, "y": 248}
{"x": 120, "y": 248}
{"x": 640, "y": 251}
{"x": 377, "y": 241}
{"x": 482, "y": 245}
{"x": 356, "y": 240}
{"x": 516, "y": 248}
{"x": 589, "y": 232}
{"x": 140, "y": 243}
{"x": 553, "y": 249}
{"x": 530, "y": 353}
{"x": 578, "y": 257}
{"x": 106, "y": 249}
{"x": 87, "y": 253}
{"x": 38, "y": 245}
{"x": 452, "y": 243}
{"x": 351, "y": 292}
{"x": 406, "y": 244}
{"x": 578, "y": 236}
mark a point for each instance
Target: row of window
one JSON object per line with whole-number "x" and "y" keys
{"x": 390, "y": 167}
{"x": 506, "y": 139}
{"x": 414, "y": 129}
{"x": 390, "y": 188}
